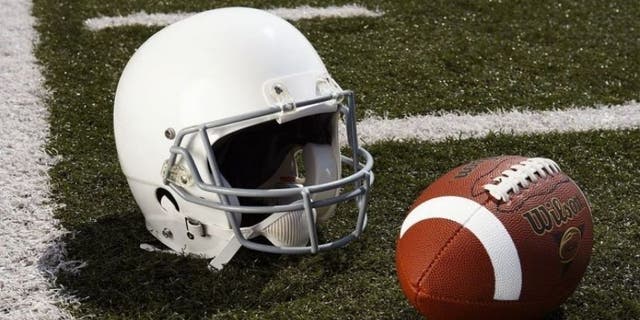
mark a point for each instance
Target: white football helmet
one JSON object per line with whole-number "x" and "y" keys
{"x": 213, "y": 116}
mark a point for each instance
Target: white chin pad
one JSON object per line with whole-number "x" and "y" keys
{"x": 286, "y": 229}
{"x": 321, "y": 166}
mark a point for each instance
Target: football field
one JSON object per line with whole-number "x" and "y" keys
{"x": 438, "y": 84}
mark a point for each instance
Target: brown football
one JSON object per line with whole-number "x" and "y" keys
{"x": 506, "y": 238}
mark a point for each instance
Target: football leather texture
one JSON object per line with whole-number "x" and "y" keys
{"x": 499, "y": 238}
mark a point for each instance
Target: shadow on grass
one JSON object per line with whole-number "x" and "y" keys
{"x": 121, "y": 280}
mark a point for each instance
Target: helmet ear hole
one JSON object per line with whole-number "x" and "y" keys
{"x": 164, "y": 193}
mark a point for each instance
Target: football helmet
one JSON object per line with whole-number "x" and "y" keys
{"x": 226, "y": 126}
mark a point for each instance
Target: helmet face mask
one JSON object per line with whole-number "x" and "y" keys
{"x": 233, "y": 175}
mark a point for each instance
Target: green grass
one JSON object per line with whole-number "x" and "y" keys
{"x": 424, "y": 56}
{"x": 359, "y": 282}
{"x": 418, "y": 58}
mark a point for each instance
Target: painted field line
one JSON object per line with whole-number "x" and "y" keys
{"x": 293, "y": 14}
{"x": 30, "y": 252}
{"x": 436, "y": 128}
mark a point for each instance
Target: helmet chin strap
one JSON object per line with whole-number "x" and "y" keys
{"x": 290, "y": 229}
{"x": 284, "y": 229}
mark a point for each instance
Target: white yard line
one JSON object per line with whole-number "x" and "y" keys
{"x": 30, "y": 254}
{"x": 436, "y": 128}
{"x": 297, "y": 13}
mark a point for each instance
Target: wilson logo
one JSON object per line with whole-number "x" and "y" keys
{"x": 552, "y": 214}
{"x": 569, "y": 244}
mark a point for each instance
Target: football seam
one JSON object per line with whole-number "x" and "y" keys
{"x": 435, "y": 259}
{"x": 522, "y": 203}
{"x": 475, "y": 182}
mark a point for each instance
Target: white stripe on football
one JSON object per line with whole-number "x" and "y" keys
{"x": 486, "y": 228}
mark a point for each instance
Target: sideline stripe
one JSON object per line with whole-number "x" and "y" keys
{"x": 30, "y": 252}
{"x": 293, "y": 14}
{"x": 439, "y": 127}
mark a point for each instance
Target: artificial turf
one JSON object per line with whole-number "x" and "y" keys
{"x": 417, "y": 58}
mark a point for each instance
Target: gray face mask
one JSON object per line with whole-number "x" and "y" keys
{"x": 290, "y": 203}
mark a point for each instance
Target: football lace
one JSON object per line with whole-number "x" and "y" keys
{"x": 521, "y": 176}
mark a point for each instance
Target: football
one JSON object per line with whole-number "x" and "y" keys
{"x": 506, "y": 237}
